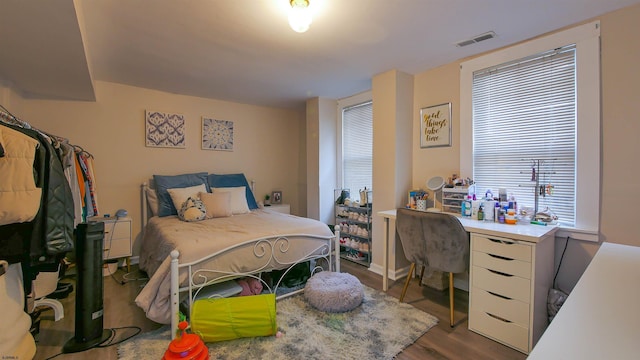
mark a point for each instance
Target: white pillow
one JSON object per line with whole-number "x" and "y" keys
{"x": 238, "y": 198}
{"x": 152, "y": 201}
{"x": 218, "y": 204}
{"x": 180, "y": 195}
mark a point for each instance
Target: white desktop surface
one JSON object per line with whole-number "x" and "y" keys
{"x": 601, "y": 316}
{"x": 529, "y": 232}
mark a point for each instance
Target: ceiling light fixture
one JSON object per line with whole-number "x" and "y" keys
{"x": 299, "y": 15}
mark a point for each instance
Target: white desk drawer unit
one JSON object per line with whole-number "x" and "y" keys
{"x": 504, "y": 304}
{"x": 502, "y": 284}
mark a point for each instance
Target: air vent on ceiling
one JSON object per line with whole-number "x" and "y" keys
{"x": 476, "y": 39}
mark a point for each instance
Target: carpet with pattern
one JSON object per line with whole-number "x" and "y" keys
{"x": 380, "y": 328}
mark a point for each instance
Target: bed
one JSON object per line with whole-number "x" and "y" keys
{"x": 181, "y": 257}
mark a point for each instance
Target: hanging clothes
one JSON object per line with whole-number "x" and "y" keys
{"x": 81, "y": 182}
{"x": 94, "y": 184}
{"x": 50, "y": 233}
{"x": 89, "y": 208}
{"x": 41, "y": 241}
{"x": 69, "y": 166}
{"x": 19, "y": 196}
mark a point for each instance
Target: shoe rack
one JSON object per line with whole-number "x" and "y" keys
{"x": 354, "y": 220}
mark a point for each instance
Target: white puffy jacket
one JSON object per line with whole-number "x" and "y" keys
{"x": 19, "y": 196}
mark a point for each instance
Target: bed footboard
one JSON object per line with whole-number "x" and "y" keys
{"x": 269, "y": 248}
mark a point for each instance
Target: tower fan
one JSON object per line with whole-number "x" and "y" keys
{"x": 89, "y": 289}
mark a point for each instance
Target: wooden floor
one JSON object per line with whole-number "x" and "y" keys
{"x": 120, "y": 311}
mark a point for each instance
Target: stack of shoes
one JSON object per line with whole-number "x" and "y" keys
{"x": 358, "y": 256}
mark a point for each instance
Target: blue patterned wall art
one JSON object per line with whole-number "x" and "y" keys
{"x": 217, "y": 134}
{"x": 164, "y": 130}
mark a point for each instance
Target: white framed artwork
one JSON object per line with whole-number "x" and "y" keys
{"x": 435, "y": 126}
{"x": 164, "y": 130}
{"x": 217, "y": 134}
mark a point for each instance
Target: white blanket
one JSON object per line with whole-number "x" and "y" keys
{"x": 223, "y": 236}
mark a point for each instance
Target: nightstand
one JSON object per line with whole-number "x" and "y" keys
{"x": 117, "y": 238}
{"x": 281, "y": 208}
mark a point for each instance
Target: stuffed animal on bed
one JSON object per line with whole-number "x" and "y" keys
{"x": 192, "y": 210}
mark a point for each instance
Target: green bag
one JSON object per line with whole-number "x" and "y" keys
{"x": 222, "y": 319}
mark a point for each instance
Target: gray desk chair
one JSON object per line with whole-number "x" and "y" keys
{"x": 434, "y": 240}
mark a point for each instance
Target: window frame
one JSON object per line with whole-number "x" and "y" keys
{"x": 344, "y": 103}
{"x": 587, "y": 40}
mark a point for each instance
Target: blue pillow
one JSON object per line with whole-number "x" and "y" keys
{"x": 233, "y": 180}
{"x": 164, "y": 182}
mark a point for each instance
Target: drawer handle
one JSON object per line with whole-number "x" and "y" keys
{"x": 500, "y": 273}
{"x": 498, "y": 318}
{"x": 500, "y": 296}
{"x": 502, "y": 241}
{"x": 501, "y": 257}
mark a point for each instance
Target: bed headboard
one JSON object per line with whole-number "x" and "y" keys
{"x": 146, "y": 209}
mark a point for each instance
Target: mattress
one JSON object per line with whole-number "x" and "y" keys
{"x": 230, "y": 239}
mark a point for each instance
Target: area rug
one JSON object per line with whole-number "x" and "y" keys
{"x": 380, "y": 328}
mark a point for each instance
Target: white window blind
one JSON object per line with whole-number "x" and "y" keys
{"x": 524, "y": 114}
{"x": 357, "y": 147}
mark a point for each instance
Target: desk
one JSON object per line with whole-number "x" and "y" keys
{"x": 529, "y": 233}
{"x": 600, "y": 318}
{"x": 511, "y": 270}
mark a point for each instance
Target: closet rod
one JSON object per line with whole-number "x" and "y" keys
{"x": 12, "y": 119}
{"x": 7, "y": 117}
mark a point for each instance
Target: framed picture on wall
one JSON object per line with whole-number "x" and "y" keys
{"x": 276, "y": 197}
{"x": 166, "y": 130}
{"x": 435, "y": 126}
{"x": 217, "y": 134}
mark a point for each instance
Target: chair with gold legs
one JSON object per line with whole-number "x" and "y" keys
{"x": 434, "y": 240}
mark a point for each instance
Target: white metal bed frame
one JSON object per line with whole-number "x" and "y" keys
{"x": 265, "y": 248}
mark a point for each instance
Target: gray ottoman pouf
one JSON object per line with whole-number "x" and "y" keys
{"x": 334, "y": 292}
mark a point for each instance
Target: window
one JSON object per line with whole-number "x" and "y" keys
{"x": 357, "y": 147}
{"x": 538, "y": 103}
{"x": 524, "y": 128}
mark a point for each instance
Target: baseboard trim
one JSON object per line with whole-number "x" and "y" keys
{"x": 460, "y": 281}
{"x": 393, "y": 274}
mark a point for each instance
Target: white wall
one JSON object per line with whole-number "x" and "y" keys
{"x": 437, "y": 86}
{"x": 321, "y": 158}
{"x": 266, "y": 141}
{"x": 392, "y": 107}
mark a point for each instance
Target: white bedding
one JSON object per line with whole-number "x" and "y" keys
{"x": 195, "y": 240}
